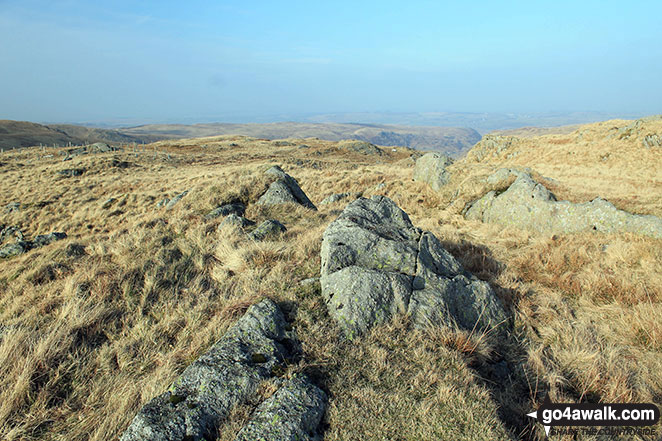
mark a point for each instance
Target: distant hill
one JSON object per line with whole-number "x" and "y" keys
{"x": 16, "y": 134}
{"x": 452, "y": 140}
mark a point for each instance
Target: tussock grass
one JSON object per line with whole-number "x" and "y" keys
{"x": 87, "y": 338}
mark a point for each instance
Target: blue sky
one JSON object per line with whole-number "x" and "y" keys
{"x": 73, "y": 60}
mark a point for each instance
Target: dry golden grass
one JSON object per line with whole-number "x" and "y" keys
{"x": 86, "y": 340}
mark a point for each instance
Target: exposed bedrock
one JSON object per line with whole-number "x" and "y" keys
{"x": 528, "y": 204}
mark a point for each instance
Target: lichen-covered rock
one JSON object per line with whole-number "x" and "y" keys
{"x": 528, "y": 204}
{"x": 10, "y": 231}
{"x": 45, "y": 239}
{"x": 225, "y": 210}
{"x": 431, "y": 169}
{"x": 267, "y": 229}
{"x": 375, "y": 264}
{"x": 362, "y": 147}
{"x": 23, "y": 246}
{"x": 236, "y": 221}
{"x": 293, "y": 413}
{"x": 340, "y": 197}
{"x": 14, "y": 249}
{"x": 285, "y": 189}
{"x": 227, "y": 375}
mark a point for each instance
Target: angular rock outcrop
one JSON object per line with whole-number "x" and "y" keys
{"x": 375, "y": 264}
{"x": 528, "y": 204}
{"x": 268, "y": 228}
{"x": 293, "y": 413}
{"x": 228, "y": 374}
{"x": 431, "y": 169}
{"x": 284, "y": 189}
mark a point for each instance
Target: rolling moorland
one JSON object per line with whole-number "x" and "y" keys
{"x": 144, "y": 273}
{"x": 452, "y": 140}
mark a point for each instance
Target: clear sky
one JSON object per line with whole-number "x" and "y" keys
{"x": 73, "y": 60}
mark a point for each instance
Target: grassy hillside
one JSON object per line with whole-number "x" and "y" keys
{"x": 87, "y": 338}
{"x": 16, "y": 134}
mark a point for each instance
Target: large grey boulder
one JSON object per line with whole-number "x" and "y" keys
{"x": 285, "y": 189}
{"x": 528, "y": 204}
{"x": 293, "y": 413}
{"x": 431, "y": 169}
{"x": 228, "y": 374}
{"x": 375, "y": 264}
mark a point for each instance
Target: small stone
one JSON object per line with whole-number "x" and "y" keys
{"x": 12, "y": 207}
{"x": 310, "y": 281}
{"x": 225, "y": 210}
{"x": 236, "y": 221}
{"x": 108, "y": 202}
{"x": 71, "y": 172}
{"x": 267, "y": 229}
{"x": 172, "y": 202}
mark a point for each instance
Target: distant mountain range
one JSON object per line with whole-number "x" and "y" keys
{"x": 452, "y": 140}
